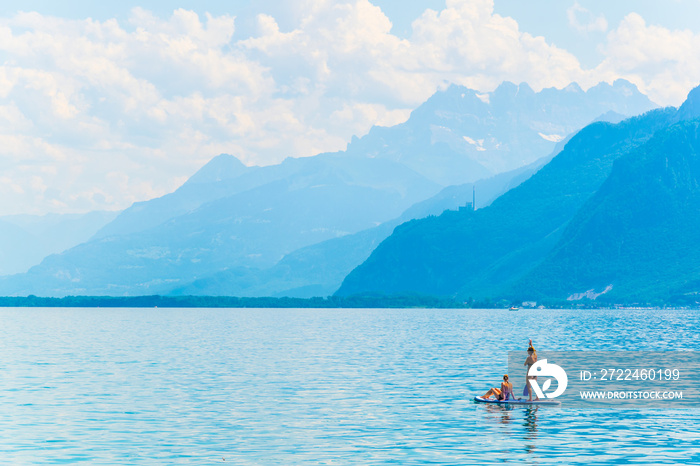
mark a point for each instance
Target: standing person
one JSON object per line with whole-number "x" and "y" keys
{"x": 505, "y": 393}
{"x": 531, "y": 359}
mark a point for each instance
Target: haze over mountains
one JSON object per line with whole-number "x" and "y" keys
{"x": 265, "y": 229}
{"x": 319, "y": 269}
{"x": 460, "y": 135}
{"x": 27, "y": 239}
{"x": 612, "y": 218}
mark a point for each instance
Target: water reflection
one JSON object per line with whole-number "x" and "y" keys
{"x": 501, "y": 413}
{"x": 530, "y": 424}
{"x": 515, "y": 421}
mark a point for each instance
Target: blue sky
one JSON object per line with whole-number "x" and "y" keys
{"x": 107, "y": 103}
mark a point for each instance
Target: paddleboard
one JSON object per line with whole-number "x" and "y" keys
{"x": 514, "y": 402}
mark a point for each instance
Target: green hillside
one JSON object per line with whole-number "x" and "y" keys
{"x": 638, "y": 236}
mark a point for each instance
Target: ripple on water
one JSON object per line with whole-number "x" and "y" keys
{"x": 194, "y": 386}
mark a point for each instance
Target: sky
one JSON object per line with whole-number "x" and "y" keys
{"x": 103, "y": 104}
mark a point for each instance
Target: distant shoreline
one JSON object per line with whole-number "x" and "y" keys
{"x": 231, "y": 302}
{"x": 352, "y": 302}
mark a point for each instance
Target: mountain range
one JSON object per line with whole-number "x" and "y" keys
{"x": 461, "y": 135}
{"x": 298, "y": 227}
{"x": 613, "y": 218}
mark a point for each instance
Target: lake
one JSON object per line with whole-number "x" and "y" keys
{"x": 298, "y": 386}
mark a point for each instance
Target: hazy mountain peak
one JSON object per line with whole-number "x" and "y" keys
{"x": 624, "y": 97}
{"x": 691, "y": 107}
{"x": 506, "y": 88}
{"x": 573, "y": 87}
{"x": 453, "y": 97}
{"x": 610, "y": 117}
{"x": 600, "y": 87}
{"x": 623, "y": 84}
{"x": 525, "y": 88}
{"x": 222, "y": 167}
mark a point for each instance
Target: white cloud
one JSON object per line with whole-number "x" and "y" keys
{"x": 663, "y": 63}
{"x": 582, "y": 20}
{"x": 466, "y": 43}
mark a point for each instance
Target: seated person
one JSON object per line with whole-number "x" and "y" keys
{"x": 505, "y": 393}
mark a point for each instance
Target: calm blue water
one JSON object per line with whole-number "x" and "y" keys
{"x": 340, "y": 387}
